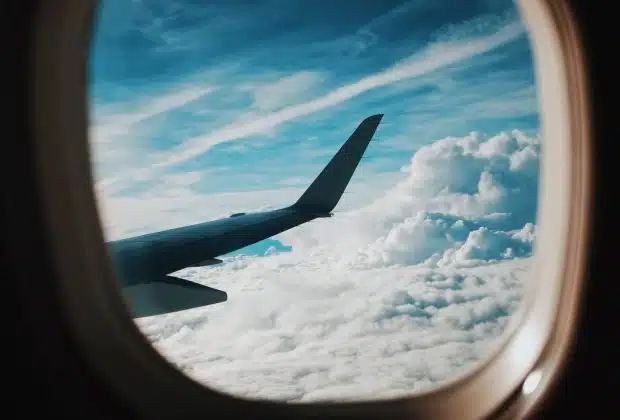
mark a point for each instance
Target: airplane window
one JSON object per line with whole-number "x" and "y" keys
{"x": 311, "y": 201}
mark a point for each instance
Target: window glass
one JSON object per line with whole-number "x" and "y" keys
{"x": 200, "y": 110}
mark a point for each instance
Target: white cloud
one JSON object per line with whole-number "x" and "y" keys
{"x": 286, "y": 91}
{"x": 296, "y": 180}
{"x": 115, "y": 133}
{"x": 380, "y": 301}
{"x": 110, "y": 125}
{"x": 301, "y": 329}
{"x": 184, "y": 178}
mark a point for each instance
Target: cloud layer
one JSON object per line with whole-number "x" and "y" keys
{"x": 377, "y": 302}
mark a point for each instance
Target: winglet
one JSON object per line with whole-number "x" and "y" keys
{"x": 325, "y": 191}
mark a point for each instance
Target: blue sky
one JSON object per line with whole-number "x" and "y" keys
{"x": 224, "y": 97}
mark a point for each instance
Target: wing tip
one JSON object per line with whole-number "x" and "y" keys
{"x": 376, "y": 118}
{"x": 324, "y": 193}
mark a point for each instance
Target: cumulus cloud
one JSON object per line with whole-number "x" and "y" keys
{"x": 456, "y": 191}
{"x": 376, "y": 302}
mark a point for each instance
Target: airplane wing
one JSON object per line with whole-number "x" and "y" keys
{"x": 144, "y": 262}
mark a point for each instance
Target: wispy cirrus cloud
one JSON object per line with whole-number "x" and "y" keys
{"x": 433, "y": 58}
{"x": 116, "y": 129}
{"x": 285, "y": 91}
{"x": 111, "y": 124}
{"x": 430, "y": 60}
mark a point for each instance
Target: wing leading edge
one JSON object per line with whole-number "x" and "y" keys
{"x": 143, "y": 262}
